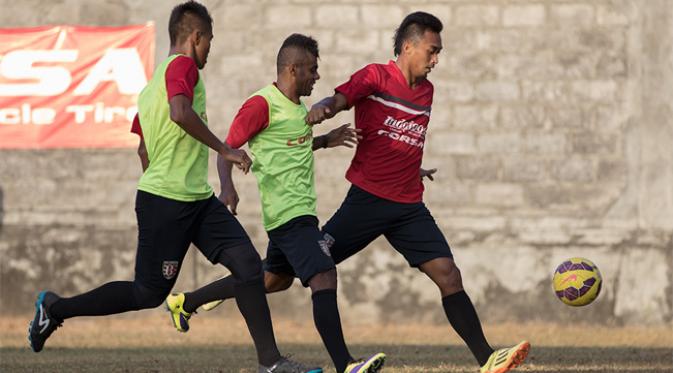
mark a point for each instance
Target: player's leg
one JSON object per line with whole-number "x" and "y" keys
{"x": 464, "y": 319}
{"x": 276, "y": 282}
{"x": 273, "y": 283}
{"x": 208, "y": 297}
{"x": 183, "y": 305}
{"x": 222, "y": 239}
{"x": 328, "y": 323}
{"x": 359, "y": 220}
{"x": 111, "y": 298}
{"x": 457, "y": 306}
{"x": 299, "y": 240}
{"x": 417, "y": 236}
{"x": 162, "y": 244}
{"x": 305, "y": 248}
{"x": 278, "y": 272}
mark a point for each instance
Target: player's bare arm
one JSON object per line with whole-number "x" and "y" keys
{"x": 326, "y": 108}
{"x": 142, "y": 153}
{"x": 183, "y": 114}
{"x": 228, "y": 195}
{"x": 340, "y": 136}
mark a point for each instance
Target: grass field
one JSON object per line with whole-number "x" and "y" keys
{"x": 145, "y": 342}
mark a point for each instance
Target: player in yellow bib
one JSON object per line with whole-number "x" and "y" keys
{"x": 176, "y": 207}
{"x": 272, "y": 122}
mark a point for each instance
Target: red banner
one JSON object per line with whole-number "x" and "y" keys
{"x": 72, "y": 87}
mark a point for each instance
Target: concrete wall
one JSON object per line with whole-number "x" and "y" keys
{"x": 552, "y": 130}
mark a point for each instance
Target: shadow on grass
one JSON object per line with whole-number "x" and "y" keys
{"x": 401, "y": 358}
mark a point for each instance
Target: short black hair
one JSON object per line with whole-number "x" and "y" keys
{"x": 295, "y": 42}
{"x": 187, "y": 17}
{"x": 414, "y": 26}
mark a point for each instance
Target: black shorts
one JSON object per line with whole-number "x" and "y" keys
{"x": 363, "y": 217}
{"x": 166, "y": 228}
{"x": 297, "y": 248}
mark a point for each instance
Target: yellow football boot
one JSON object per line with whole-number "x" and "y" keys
{"x": 179, "y": 317}
{"x": 505, "y": 359}
{"x": 372, "y": 365}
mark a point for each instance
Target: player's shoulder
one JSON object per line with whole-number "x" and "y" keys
{"x": 182, "y": 64}
{"x": 379, "y": 73}
{"x": 183, "y": 59}
{"x": 374, "y": 69}
{"x": 376, "y": 66}
{"x": 255, "y": 99}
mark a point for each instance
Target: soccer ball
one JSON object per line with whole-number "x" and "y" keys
{"x": 577, "y": 282}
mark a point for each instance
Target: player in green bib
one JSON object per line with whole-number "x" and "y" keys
{"x": 283, "y": 156}
{"x": 175, "y": 206}
{"x": 272, "y": 122}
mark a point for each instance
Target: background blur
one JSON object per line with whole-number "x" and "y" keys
{"x": 552, "y": 129}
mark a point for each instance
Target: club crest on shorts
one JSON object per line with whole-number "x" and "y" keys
{"x": 326, "y": 244}
{"x": 169, "y": 269}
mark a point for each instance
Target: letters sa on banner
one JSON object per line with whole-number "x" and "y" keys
{"x": 72, "y": 86}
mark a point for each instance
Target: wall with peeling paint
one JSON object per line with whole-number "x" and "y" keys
{"x": 551, "y": 128}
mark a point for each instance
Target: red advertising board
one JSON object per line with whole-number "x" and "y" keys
{"x": 72, "y": 86}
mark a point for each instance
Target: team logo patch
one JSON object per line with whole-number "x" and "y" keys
{"x": 326, "y": 244}
{"x": 169, "y": 269}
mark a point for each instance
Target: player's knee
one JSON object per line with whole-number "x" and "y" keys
{"x": 245, "y": 265}
{"x": 277, "y": 282}
{"x": 324, "y": 280}
{"x": 147, "y": 297}
{"x": 445, "y": 273}
{"x": 451, "y": 280}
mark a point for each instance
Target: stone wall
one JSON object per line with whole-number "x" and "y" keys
{"x": 551, "y": 129}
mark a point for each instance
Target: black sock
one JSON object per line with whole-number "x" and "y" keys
{"x": 463, "y": 317}
{"x": 251, "y": 301}
{"x": 217, "y": 290}
{"x": 328, "y": 323}
{"x": 111, "y": 298}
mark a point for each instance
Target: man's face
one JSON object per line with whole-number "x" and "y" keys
{"x": 306, "y": 74}
{"x": 202, "y": 47}
{"x": 424, "y": 53}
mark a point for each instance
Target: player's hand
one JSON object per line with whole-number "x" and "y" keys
{"x": 318, "y": 113}
{"x": 229, "y": 197}
{"x": 239, "y": 158}
{"x": 428, "y": 173}
{"x": 343, "y": 136}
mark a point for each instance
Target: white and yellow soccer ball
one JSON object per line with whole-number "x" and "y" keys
{"x": 577, "y": 282}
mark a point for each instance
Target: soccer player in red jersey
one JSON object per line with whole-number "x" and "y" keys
{"x": 393, "y": 104}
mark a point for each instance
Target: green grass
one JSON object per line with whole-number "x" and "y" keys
{"x": 401, "y": 358}
{"x": 219, "y": 342}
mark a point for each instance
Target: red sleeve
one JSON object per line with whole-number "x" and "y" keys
{"x": 135, "y": 127}
{"x": 360, "y": 85}
{"x": 181, "y": 77}
{"x": 251, "y": 119}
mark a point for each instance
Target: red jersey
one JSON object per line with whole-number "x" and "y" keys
{"x": 181, "y": 77}
{"x": 394, "y": 119}
{"x": 251, "y": 119}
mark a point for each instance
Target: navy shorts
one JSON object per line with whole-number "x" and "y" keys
{"x": 297, "y": 248}
{"x": 167, "y": 227}
{"x": 363, "y": 217}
